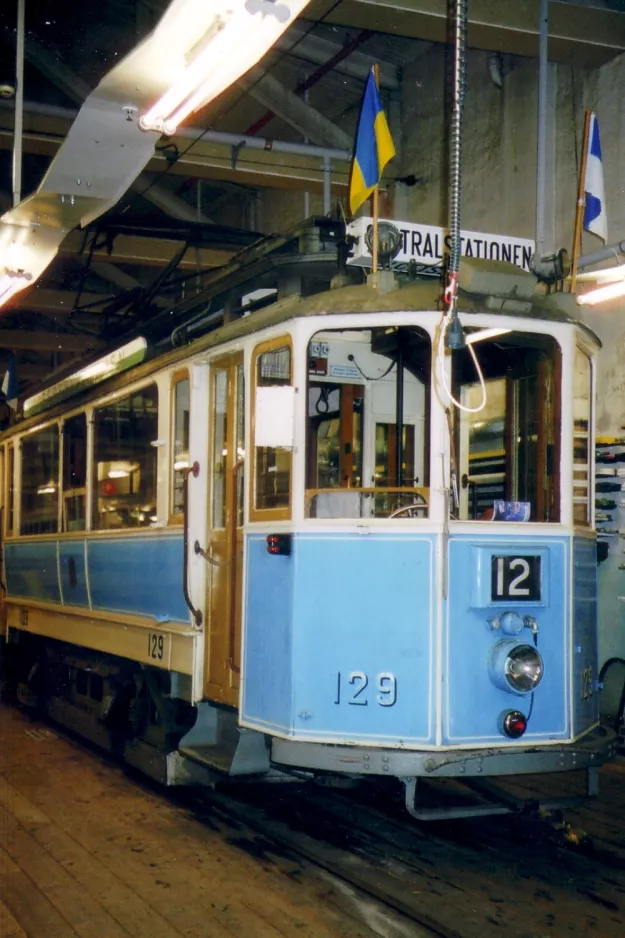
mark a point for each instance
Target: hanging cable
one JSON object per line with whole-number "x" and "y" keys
{"x": 451, "y": 331}
{"x": 440, "y": 357}
{"x": 454, "y": 333}
{"x": 350, "y": 358}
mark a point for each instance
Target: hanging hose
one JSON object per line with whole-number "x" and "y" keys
{"x": 454, "y": 334}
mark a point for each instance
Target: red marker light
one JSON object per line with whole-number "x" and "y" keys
{"x": 513, "y": 723}
{"x": 279, "y": 544}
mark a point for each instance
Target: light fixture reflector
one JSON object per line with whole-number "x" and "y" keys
{"x": 610, "y": 291}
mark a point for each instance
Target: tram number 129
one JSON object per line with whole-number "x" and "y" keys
{"x": 355, "y": 689}
{"x": 156, "y": 646}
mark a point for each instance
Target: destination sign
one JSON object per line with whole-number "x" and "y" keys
{"x": 426, "y": 245}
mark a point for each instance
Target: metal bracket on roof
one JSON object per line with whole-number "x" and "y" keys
{"x": 234, "y": 156}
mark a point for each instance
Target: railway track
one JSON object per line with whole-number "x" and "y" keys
{"x": 527, "y": 876}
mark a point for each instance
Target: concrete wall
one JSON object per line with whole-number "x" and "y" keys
{"x": 603, "y": 93}
{"x": 499, "y": 170}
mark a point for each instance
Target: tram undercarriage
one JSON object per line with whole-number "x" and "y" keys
{"x": 132, "y": 712}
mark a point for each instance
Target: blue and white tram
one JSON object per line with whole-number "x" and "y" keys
{"x": 315, "y": 539}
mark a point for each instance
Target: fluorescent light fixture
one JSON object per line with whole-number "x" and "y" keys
{"x": 474, "y": 337}
{"x": 241, "y": 32}
{"x": 49, "y": 489}
{"x": 609, "y": 292}
{"x": 603, "y": 275}
{"x": 119, "y": 469}
{"x": 96, "y": 370}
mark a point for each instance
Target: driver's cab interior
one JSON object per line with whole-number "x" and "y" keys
{"x": 368, "y": 403}
{"x": 368, "y": 416}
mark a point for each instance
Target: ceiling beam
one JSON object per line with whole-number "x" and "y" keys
{"x": 578, "y": 35}
{"x": 47, "y": 341}
{"x": 49, "y": 300}
{"x": 29, "y": 371}
{"x": 284, "y": 103}
{"x": 152, "y": 252}
{"x": 167, "y": 201}
{"x": 302, "y": 45}
{"x": 262, "y": 168}
{"x": 113, "y": 274}
{"x": 32, "y": 372}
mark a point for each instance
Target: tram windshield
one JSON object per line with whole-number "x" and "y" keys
{"x": 506, "y": 455}
{"x": 368, "y": 423}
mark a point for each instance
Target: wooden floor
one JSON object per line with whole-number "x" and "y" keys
{"x": 87, "y": 851}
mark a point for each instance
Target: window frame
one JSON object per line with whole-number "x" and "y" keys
{"x": 80, "y": 490}
{"x": 590, "y": 522}
{"x": 267, "y": 514}
{"x": 542, "y": 460}
{"x": 9, "y": 489}
{"x": 20, "y": 488}
{"x": 92, "y": 479}
{"x": 182, "y": 374}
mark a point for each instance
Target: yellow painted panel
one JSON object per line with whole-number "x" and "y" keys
{"x": 161, "y": 646}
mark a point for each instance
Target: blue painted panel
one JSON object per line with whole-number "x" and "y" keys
{"x": 31, "y": 570}
{"x": 358, "y": 607}
{"x": 472, "y": 702}
{"x": 72, "y": 568}
{"x": 140, "y": 575}
{"x": 364, "y": 612}
{"x": 267, "y": 680}
{"x": 585, "y": 671}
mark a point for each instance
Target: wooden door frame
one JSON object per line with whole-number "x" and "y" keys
{"x": 226, "y": 691}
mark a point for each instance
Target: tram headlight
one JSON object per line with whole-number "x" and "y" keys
{"x": 515, "y": 667}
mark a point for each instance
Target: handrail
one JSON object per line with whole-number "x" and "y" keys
{"x": 233, "y": 568}
{"x": 422, "y": 490}
{"x": 193, "y": 470}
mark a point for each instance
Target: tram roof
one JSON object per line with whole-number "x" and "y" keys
{"x": 412, "y": 296}
{"x": 407, "y": 297}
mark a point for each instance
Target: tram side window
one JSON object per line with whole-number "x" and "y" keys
{"x": 10, "y": 490}
{"x": 582, "y": 396}
{"x": 367, "y": 423}
{"x": 40, "y": 482}
{"x": 272, "y": 465}
{"x": 509, "y": 451}
{"x": 181, "y": 409}
{"x": 74, "y": 473}
{"x": 125, "y": 459}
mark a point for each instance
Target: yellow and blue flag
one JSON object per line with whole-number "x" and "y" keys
{"x": 374, "y": 146}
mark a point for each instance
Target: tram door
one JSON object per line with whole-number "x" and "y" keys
{"x": 225, "y": 530}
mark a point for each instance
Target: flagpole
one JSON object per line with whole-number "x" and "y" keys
{"x": 577, "y": 232}
{"x": 376, "y": 199}
{"x": 376, "y": 215}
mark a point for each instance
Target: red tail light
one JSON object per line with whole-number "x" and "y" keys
{"x": 513, "y": 723}
{"x": 279, "y": 544}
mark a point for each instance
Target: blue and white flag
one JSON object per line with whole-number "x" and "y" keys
{"x": 9, "y": 384}
{"x": 595, "y": 218}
